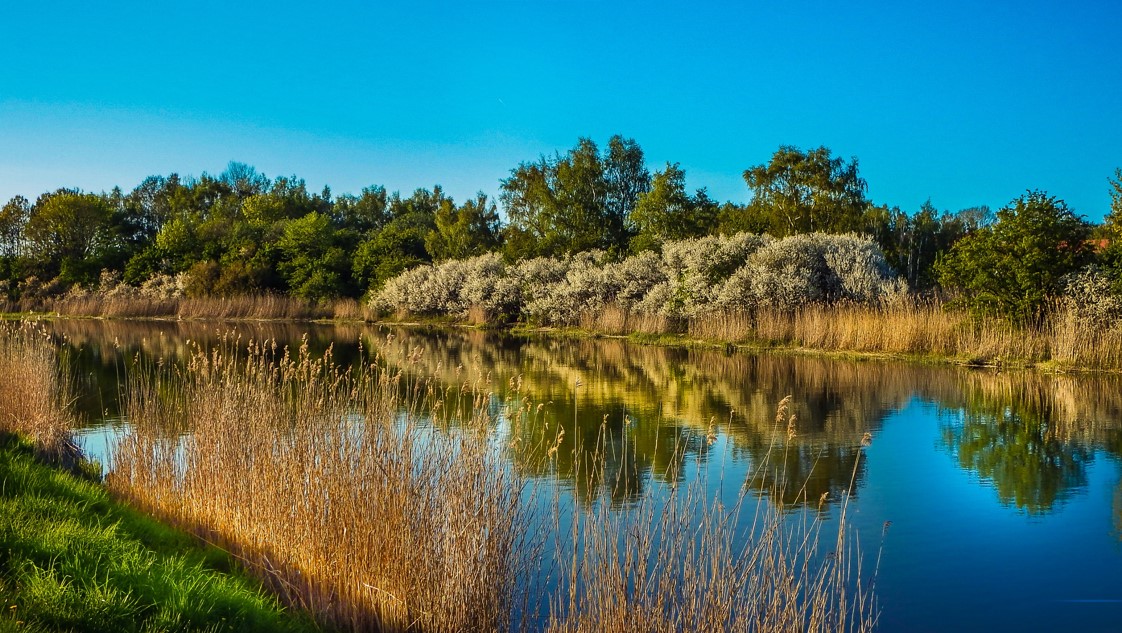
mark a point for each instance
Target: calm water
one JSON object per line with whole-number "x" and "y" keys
{"x": 994, "y": 498}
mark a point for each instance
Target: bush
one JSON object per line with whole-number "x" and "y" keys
{"x": 690, "y": 278}
{"x": 1090, "y": 297}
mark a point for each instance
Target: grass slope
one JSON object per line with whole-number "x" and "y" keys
{"x": 73, "y": 559}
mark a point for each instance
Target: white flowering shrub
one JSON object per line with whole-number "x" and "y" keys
{"x": 689, "y": 278}
{"x": 489, "y": 285}
{"x": 583, "y": 288}
{"x": 696, "y": 268}
{"x": 406, "y": 293}
{"x": 860, "y": 266}
{"x": 812, "y": 268}
{"x": 635, "y": 277}
{"x": 1089, "y": 297}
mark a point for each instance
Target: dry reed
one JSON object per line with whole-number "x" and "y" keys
{"x": 240, "y": 307}
{"x": 34, "y": 391}
{"x": 332, "y": 487}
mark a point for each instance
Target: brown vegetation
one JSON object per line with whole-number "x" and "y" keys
{"x": 34, "y": 394}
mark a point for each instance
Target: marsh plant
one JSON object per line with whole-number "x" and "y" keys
{"x": 34, "y": 393}
{"x": 689, "y": 278}
{"x": 350, "y": 493}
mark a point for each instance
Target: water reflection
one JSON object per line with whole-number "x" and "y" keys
{"x": 653, "y": 410}
{"x": 1029, "y": 466}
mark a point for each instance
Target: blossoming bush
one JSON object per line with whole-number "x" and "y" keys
{"x": 689, "y": 278}
{"x": 1090, "y": 299}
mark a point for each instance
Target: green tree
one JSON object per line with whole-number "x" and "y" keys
{"x": 465, "y": 231}
{"x": 1014, "y": 266}
{"x": 576, "y": 202}
{"x": 13, "y": 219}
{"x": 1114, "y": 217}
{"x": 400, "y": 244}
{"x": 367, "y": 212}
{"x": 68, "y": 234}
{"x": 627, "y": 179}
{"x": 804, "y": 192}
{"x": 312, "y": 265}
{"x": 667, "y": 212}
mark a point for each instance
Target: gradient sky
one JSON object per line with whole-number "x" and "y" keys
{"x": 965, "y": 103}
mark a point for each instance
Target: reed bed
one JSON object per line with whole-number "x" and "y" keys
{"x": 333, "y": 486}
{"x": 923, "y": 328}
{"x": 379, "y": 501}
{"x": 239, "y": 307}
{"x": 34, "y": 391}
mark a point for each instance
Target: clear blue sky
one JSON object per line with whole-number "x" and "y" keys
{"x": 964, "y": 102}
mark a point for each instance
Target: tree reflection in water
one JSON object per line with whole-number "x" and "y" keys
{"x": 651, "y": 410}
{"x": 1020, "y": 454}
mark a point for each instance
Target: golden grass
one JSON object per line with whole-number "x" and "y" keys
{"x": 34, "y": 392}
{"x": 921, "y": 328}
{"x": 332, "y": 487}
{"x": 615, "y": 320}
{"x": 377, "y": 500}
{"x": 240, "y": 307}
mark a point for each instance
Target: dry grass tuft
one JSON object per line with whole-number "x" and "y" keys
{"x": 34, "y": 392}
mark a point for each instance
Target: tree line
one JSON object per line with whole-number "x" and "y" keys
{"x": 242, "y": 232}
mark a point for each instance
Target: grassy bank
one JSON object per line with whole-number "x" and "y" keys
{"x": 927, "y": 330}
{"x": 73, "y": 559}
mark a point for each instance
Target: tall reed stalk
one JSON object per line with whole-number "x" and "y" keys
{"x": 351, "y": 493}
{"x": 34, "y": 391}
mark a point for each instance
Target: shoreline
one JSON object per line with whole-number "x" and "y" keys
{"x": 682, "y": 340}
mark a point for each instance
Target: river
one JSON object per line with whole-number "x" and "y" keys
{"x": 992, "y": 499}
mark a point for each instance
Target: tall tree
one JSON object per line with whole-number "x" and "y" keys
{"x": 13, "y": 219}
{"x": 1114, "y": 218}
{"x": 67, "y": 232}
{"x": 400, "y": 244}
{"x": 465, "y": 231}
{"x": 809, "y": 191}
{"x": 1012, "y": 267}
{"x": 627, "y": 177}
{"x": 668, "y": 212}
{"x": 575, "y": 202}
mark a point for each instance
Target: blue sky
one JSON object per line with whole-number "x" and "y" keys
{"x": 964, "y": 103}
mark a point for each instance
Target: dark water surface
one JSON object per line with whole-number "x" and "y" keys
{"x": 992, "y": 498}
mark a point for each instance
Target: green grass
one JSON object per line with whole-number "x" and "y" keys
{"x": 72, "y": 559}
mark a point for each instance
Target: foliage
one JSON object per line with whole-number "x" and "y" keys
{"x": 667, "y": 212}
{"x": 68, "y": 234}
{"x": 465, "y": 231}
{"x": 576, "y": 202}
{"x": 1014, "y": 266}
{"x": 805, "y": 192}
{"x": 689, "y": 278}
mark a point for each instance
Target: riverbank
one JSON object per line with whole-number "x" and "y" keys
{"x": 924, "y": 333}
{"x": 74, "y": 559}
